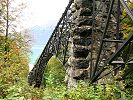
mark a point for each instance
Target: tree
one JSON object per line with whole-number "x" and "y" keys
{"x": 14, "y": 46}
{"x": 10, "y": 15}
{"x": 127, "y": 23}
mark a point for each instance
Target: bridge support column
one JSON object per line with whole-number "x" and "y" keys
{"x": 80, "y": 40}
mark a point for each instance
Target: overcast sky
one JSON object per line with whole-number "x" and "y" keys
{"x": 43, "y": 12}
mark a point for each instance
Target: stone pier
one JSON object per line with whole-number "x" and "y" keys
{"x": 80, "y": 40}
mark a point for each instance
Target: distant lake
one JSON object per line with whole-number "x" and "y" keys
{"x": 41, "y": 34}
{"x": 36, "y": 52}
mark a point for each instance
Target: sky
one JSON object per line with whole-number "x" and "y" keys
{"x": 43, "y": 12}
{"x": 42, "y": 16}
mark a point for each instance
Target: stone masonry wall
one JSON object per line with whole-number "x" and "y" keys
{"x": 78, "y": 63}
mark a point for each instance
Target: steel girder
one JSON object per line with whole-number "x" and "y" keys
{"x": 110, "y": 60}
{"x": 56, "y": 45}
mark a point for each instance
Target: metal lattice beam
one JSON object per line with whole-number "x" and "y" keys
{"x": 56, "y": 45}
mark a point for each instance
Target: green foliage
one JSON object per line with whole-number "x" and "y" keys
{"x": 55, "y": 72}
{"x": 127, "y": 26}
{"x": 13, "y": 65}
{"x": 129, "y": 83}
{"x": 13, "y": 86}
{"x": 13, "y": 51}
{"x": 127, "y": 23}
{"x": 13, "y": 73}
{"x": 97, "y": 92}
{"x": 82, "y": 92}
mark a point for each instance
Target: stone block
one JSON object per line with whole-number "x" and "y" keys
{"x": 82, "y": 41}
{"x": 73, "y": 9}
{"x": 83, "y": 31}
{"x": 83, "y": 21}
{"x": 78, "y": 63}
{"x": 81, "y": 64}
{"x": 81, "y": 74}
{"x": 80, "y": 52}
{"x": 85, "y": 11}
{"x": 83, "y": 3}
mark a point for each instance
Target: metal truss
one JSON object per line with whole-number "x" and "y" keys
{"x": 111, "y": 44}
{"x": 107, "y": 43}
{"x": 56, "y": 45}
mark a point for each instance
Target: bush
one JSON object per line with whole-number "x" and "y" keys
{"x": 54, "y": 73}
{"x": 82, "y": 92}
